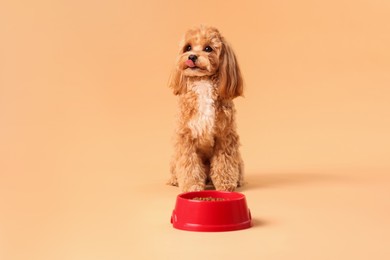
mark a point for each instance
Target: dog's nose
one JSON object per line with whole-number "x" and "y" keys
{"x": 193, "y": 57}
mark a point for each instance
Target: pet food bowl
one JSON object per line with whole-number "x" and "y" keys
{"x": 211, "y": 211}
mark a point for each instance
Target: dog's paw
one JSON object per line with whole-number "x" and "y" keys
{"x": 193, "y": 188}
{"x": 226, "y": 187}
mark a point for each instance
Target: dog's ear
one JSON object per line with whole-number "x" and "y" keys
{"x": 177, "y": 82}
{"x": 230, "y": 79}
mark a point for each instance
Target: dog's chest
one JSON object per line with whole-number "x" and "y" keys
{"x": 202, "y": 123}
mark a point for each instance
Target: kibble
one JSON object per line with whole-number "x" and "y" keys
{"x": 208, "y": 199}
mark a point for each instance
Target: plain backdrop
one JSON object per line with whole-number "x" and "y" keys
{"x": 86, "y": 123}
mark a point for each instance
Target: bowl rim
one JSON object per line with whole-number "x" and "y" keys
{"x": 227, "y": 196}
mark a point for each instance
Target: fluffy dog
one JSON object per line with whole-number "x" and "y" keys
{"x": 207, "y": 78}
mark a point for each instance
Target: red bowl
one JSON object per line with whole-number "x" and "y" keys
{"x": 211, "y": 211}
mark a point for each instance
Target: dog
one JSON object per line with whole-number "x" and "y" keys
{"x": 206, "y": 79}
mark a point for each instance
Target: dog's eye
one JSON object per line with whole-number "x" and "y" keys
{"x": 187, "y": 48}
{"x": 208, "y": 49}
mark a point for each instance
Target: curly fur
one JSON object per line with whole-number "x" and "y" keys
{"x": 206, "y": 142}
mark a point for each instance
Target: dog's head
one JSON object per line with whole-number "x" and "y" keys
{"x": 205, "y": 53}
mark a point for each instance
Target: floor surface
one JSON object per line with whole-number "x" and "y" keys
{"x": 295, "y": 216}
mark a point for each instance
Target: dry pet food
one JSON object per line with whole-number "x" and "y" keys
{"x": 208, "y": 199}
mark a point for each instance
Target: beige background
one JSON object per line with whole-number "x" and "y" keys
{"x": 86, "y": 121}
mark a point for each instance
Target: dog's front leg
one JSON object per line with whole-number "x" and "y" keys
{"x": 226, "y": 164}
{"x": 189, "y": 169}
{"x": 191, "y": 173}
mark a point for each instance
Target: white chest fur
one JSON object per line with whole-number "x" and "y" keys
{"x": 202, "y": 124}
